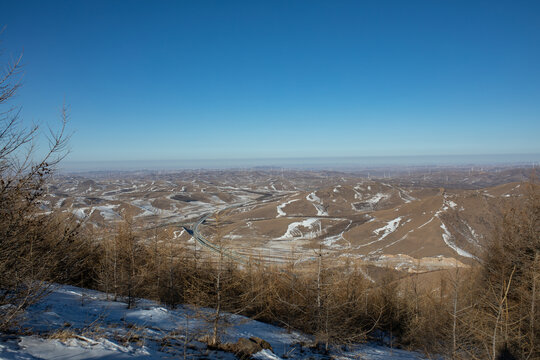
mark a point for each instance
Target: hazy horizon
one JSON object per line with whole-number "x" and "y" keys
{"x": 306, "y": 163}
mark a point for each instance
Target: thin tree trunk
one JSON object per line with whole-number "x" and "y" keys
{"x": 499, "y": 314}
{"x": 218, "y": 309}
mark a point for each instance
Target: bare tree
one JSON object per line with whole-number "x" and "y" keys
{"x": 28, "y": 242}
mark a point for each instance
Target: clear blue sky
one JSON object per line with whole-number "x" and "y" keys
{"x": 256, "y": 79}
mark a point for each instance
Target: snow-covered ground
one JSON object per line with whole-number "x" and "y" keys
{"x": 75, "y": 323}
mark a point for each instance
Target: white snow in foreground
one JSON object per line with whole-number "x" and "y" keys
{"x": 266, "y": 355}
{"x": 281, "y": 206}
{"x": 101, "y": 326}
{"x": 78, "y": 348}
{"x": 317, "y": 203}
{"x": 294, "y": 231}
{"x": 389, "y": 228}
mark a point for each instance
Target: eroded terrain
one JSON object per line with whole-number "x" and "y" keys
{"x": 411, "y": 222}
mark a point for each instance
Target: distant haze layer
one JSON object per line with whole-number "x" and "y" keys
{"x": 320, "y": 163}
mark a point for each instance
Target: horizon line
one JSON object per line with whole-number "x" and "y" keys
{"x": 304, "y": 163}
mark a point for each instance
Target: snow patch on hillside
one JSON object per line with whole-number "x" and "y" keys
{"x": 178, "y": 233}
{"x": 427, "y": 222}
{"x": 389, "y": 228}
{"x": 294, "y": 229}
{"x": 317, "y": 203}
{"x": 108, "y": 213}
{"x": 280, "y": 207}
{"x": 331, "y": 240}
{"x": 377, "y": 198}
{"x": 448, "y": 239}
{"x": 452, "y": 204}
{"x": 147, "y": 208}
{"x": 405, "y": 196}
{"x": 80, "y": 213}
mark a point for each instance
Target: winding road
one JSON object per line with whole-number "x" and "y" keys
{"x": 231, "y": 254}
{"x": 216, "y": 248}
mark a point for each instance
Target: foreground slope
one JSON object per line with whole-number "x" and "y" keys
{"x": 75, "y": 323}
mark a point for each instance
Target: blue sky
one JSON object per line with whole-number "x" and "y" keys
{"x": 165, "y": 80}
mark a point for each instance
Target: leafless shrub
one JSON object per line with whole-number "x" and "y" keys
{"x": 30, "y": 242}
